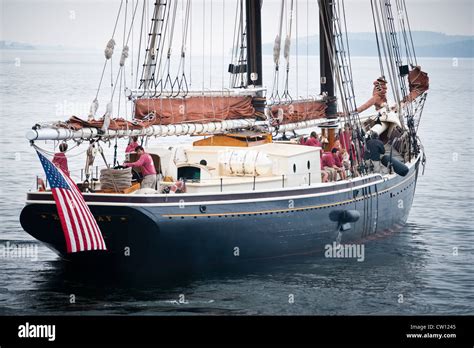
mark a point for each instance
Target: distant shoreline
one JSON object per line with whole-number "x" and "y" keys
{"x": 427, "y": 44}
{"x": 99, "y": 51}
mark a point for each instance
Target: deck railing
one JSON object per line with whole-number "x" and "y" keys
{"x": 221, "y": 184}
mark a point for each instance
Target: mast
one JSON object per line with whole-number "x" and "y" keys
{"x": 326, "y": 51}
{"x": 254, "y": 42}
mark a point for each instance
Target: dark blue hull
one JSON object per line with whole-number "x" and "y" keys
{"x": 189, "y": 231}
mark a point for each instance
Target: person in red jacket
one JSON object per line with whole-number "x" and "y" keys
{"x": 60, "y": 159}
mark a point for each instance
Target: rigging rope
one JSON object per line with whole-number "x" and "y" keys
{"x": 210, "y": 45}
{"x": 409, "y": 31}
{"x": 108, "y": 55}
{"x": 140, "y": 43}
{"x": 155, "y": 12}
{"x": 109, "y": 109}
{"x": 232, "y": 77}
{"x": 190, "y": 45}
{"x": 387, "y": 54}
{"x": 243, "y": 46}
{"x": 158, "y": 74}
{"x": 150, "y": 68}
{"x": 307, "y": 48}
{"x": 392, "y": 39}
{"x": 123, "y": 56}
{"x": 382, "y": 74}
{"x": 286, "y": 53}
{"x": 297, "y": 49}
{"x": 223, "y": 45}
{"x": 353, "y": 117}
{"x": 131, "y": 60}
{"x": 124, "y": 51}
{"x": 238, "y": 49}
{"x": 203, "y": 42}
{"x": 52, "y": 153}
{"x": 167, "y": 65}
{"x": 347, "y": 47}
{"x": 181, "y": 80}
{"x": 275, "y": 96}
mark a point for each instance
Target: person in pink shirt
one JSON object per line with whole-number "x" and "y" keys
{"x": 60, "y": 159}
{"x": 313, "y": 140}
{"x": 148, "y": 168}
{"x": 338, "y": 162}
{"x": 329, "y": 166}
{"x": 324, "y": 173}
{"x": 132, "y": 145}
{"x": 346, "y": 142}
{"x": 330, "y": 162}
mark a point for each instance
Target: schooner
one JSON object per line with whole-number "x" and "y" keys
{"x": 246, "y": 189}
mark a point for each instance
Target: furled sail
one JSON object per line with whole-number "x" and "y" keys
{"x": 76, "y": 123}
{"x": 80, "y": 129}
{"x": 298, "y": 111}
{"x": 418, "y": 82}
{"x": 202, "y": 109}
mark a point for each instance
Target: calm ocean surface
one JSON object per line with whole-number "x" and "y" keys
{"x": 427, "y": 268}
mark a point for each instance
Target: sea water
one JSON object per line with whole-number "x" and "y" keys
{"x": 427, "y": 268}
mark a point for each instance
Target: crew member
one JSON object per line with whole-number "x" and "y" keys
{"x": 346, "y": 159}
{"x": 313, "y": 140}
{"x": 338, "y": 162}
{"x": 60, "y": 159}
{"x": 374, "y": 148}
{"x": 132, "y": 145}
{"x": 329, "y": 165}
{"x": 346, "y": 142}
{"x": 324, "y": 173}
{"x": 148, "y": 168}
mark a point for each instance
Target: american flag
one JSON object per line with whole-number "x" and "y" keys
{"x": 79, "y": 226}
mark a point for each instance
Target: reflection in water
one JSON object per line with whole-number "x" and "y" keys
{"x": 318, "y": 286}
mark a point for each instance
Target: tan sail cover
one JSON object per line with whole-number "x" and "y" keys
{"x": 298, "y": 111}
{"x": 194, "y": 109}
{"x": 418, "y": 82}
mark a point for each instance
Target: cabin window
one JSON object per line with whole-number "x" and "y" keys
{"x": 308, "y": 165}
{"x": 294, "y": 168}
{"x": 189, "y": 173}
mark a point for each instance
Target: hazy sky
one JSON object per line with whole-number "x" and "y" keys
{"x": 89, "y": 23}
